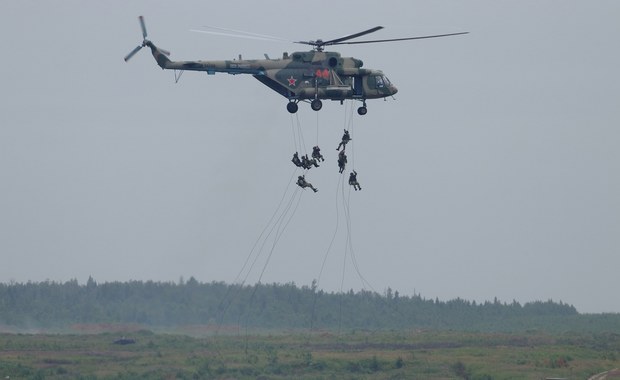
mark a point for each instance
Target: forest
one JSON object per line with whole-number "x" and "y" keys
{"x": 55, "y": 305}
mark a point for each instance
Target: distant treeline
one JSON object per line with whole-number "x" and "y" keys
{"x": 274, "y": 306}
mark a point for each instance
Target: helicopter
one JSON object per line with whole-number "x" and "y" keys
{"x": 308, "y": 76}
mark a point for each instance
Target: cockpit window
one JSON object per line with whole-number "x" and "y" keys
{"x": 380, "y": 83}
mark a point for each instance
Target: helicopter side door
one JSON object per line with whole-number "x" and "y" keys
{"x": 358, "y": 86}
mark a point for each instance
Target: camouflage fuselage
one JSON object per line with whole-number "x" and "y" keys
{"x": 298, "y": 76}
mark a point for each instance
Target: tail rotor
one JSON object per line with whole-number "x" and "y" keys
{"x": 145, "y": 42}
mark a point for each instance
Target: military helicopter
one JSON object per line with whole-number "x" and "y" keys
{"x": 309, "y": 76}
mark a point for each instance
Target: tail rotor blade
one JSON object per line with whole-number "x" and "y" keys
{"x": 132, "y": 53}
{"x": 143, "y": 26}
{"x": 145, "y": 42}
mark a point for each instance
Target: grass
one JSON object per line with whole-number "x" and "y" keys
{"x": 317, "y": 355}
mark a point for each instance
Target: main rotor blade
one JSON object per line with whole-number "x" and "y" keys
{"x": 240, "y": 33}
{"x": 248, "y": 37}
{"x": 397, "y": 39}
{"x": 337, "y": 40}
{"x": 132, "y": 53}
{"x": 141, "y": 18}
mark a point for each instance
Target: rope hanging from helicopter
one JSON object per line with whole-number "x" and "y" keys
{"x": 346, "y": 202}
{"x": 343, "y": 200}
{"x": 282, "y": 223}
{"x": 299, "y": 145}
{"x": 298, "y": 136}
{"x": 266, "y": 243}
{"x": 273, "y": 230}
{"x": 279, "y": 225}
{"x": 317, "y": 129}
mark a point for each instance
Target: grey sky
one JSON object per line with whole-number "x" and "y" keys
{"x": 494, "y": 173}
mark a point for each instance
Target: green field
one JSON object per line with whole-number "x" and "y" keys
{"x": 302, "y": 355}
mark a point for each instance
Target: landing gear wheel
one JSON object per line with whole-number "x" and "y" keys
{"x": 292, "y": 107}
{"x": 362, "y": 110}
{"x": 316, "y": 104}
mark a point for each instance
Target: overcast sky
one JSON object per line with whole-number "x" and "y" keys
{"x": 493, "y": 173}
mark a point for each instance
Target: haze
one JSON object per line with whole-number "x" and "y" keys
{"x": 493, "y": 172}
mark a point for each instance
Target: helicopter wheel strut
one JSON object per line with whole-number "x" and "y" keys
{"x": 362, "y": 110}
{"x": 292, "y": 107}
{"x": 316, "y": 104}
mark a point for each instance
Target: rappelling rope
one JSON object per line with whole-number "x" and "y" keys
{"x": 329, "y": 248}
{"x": 349, "y": 126}
{"x": 299, "y": 143}
{"x": 228, "y": 299}
{"x": 280, "y": 231}
{"x": 349, "y": 243}
{"x": 267, "y": 225}
{"x": 295, "y": 145}
{"x": 271, "y": 223}
{"x": 317, "y": 129}
{"x": 279, "y": 225}
{"x": 347, "y": 209}
{"x": 346, "y": 201}
{"x": 277, "y": 235}
{"x": 302, "y": 142}
{"x": 340, "y": 190}
{"x": 282, "y": 228}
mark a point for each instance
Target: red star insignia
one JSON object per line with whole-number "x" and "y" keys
{"x": 292, "y": 81}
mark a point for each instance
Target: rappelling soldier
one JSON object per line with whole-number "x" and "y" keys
{"x": 297, "y": 161}
{"x": 310, "y": 161}
{"x": 353, "y": 181}
{"x": 301, "y": 182}
{"x": 305, "y": 162}
{"x": 345, "y": 139}
{"x": 316, "y": 153}
{"x": 342, "y": 160}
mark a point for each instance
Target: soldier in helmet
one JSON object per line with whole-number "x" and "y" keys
{"x": 296, "y": 160}
{"x": 313, "y": 161}
{"x": 353, "y": 181}
{"x": 301, "y": 182}
{"x": 308, "y": 163}
{"x": 316, "y": 153}
{"x": 345, "y": 139}
{"x": 342, "y": 160}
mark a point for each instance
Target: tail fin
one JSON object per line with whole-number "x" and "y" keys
{"x": 160, "y": 55}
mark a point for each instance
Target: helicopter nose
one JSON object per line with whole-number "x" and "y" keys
{"x": 393, "y": 89}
